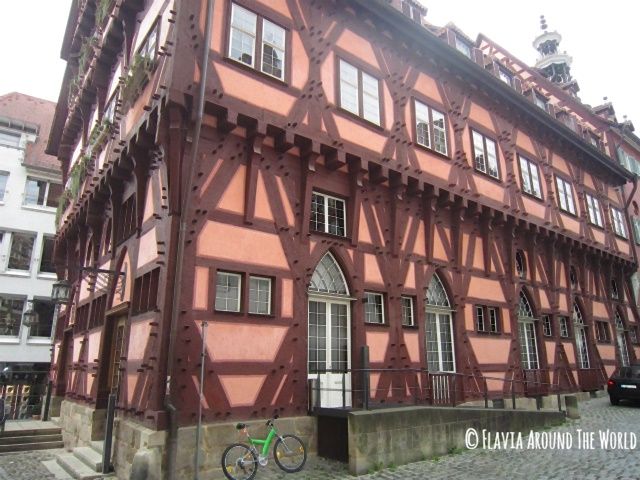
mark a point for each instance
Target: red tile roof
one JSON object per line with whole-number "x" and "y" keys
{"x": 25, "y": 108}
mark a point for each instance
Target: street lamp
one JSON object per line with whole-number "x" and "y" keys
{"x": 61, "y": 291}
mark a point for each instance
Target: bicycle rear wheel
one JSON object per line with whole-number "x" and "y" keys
{"x": 290, "y": 453}
{"x": 239, "y": 462}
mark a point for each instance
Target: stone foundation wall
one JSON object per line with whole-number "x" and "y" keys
{"x": 81, "y": 424}
{"x": 136, "y": 446}
{"x": 397, "y": 436}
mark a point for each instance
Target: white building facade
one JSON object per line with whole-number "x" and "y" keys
{"x": 30, "y": 185}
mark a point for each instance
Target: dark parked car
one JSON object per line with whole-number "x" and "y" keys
{"x": 624, "y": 384}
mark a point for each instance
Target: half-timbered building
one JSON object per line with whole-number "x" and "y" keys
{"x": 273, "y": 205}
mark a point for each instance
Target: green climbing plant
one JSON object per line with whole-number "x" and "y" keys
{"x": 136, "y": 79}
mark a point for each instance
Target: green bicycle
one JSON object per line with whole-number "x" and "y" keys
{"x": 240, "y": 461}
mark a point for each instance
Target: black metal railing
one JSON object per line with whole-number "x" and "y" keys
{"x": 368, "y": 388}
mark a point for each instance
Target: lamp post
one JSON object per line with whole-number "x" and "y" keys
{"x": 61, "y": 291}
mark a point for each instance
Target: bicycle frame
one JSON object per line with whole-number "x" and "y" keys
{"x": 266, "y": 443}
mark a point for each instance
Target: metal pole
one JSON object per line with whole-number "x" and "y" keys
{"x": 201, "y": 397}
{"x": 344, "y": 391}
{"x": 513, "y": 395}
{"x": 486, "y": 394}
{"x": 108, "y": 434}
{"x": 47, "y": 401}
{"x": 365, "y": 377}
{"x": 318, "y": 390}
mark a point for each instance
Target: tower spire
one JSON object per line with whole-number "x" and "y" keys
{"x": 554, "y": 65}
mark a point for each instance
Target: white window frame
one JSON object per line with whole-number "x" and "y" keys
{"x": 617, "y": 221}
{"x": 425, "y": 115}
{"x": 464, "y": 47}
{"x": 547, "y": 326}
{"x": 563, "y": 322}
{"x": 234, "y": 9}
{"x": 238, "y": 298}
{"x": 326, "y": 198}
{"x": 527, "y": 333}
{"x": 3, "y": 190}
{"x": 565, "y": 196}
{"x": 593, "y": 207}
{"x": 382, "y": 321}
{"x": 487, "y": 160}
{"x": 361, "y": 92}
{"x": 411, "y": 310}
{"x": 505, "y": 76}
{"x": 269, "y": 282}
{"x": 530, "y": 177}
{"x": 282, "y": 50}
{"x": 46, "y": 193}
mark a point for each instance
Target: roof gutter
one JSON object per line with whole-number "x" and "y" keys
{"x": 443, "y": 51}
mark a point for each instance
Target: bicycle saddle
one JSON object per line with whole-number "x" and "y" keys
{"x": 241, "y": 426}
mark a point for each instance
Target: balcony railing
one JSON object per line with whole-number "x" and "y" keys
{"x": 590, "y": 379}
{"x": 536, "y": 382}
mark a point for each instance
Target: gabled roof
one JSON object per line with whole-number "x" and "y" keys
{"x": 36, "y": 111}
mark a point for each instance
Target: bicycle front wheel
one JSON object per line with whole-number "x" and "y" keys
{"x": 239, "y": 462}
{"x": 290, "y": 453}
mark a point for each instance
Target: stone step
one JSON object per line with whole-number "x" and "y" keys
{"x": 76, "y": 468}
{"x": 56, "y": 470}
{"x": 98, "y": 446}
{"x": 30, "y": 432}
{"x": 55, "y": 437}
{"x": 25, "y": 447}
{"x": 89, "y": 457}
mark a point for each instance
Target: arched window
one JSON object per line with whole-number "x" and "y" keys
{"x": 439, "y": 328}
{"x": 621, "y": 340}
{"x": 527, "y": 334}
{"x": 521, "y": 264}
{"x": 581, "y": 336}
{"x": 328, "y": 277}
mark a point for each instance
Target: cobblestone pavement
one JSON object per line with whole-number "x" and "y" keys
{"x": 599, "y": 463}
{"x": 26, "y": 465}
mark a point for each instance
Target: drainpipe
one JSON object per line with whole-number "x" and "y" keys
{"x": 172, "y": 441}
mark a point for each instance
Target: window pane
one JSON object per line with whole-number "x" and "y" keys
{"x": 243, "y": 32}
{"x": 526, "y": 179}
{"x": 46, "y": 259}
{"x": 478, "y": 152}
{"x": 339, "y": 338}
{"x": 439, "y": 132}
{"x": 463, "y": 47}
{"x": 3, "y": 184}
{"x": 9, "y": 139}
{"x": 272, "y": 49}
{"x": 260, "y": 295}
{"x": 349, "y": 87}
{"x": 35, "y": 192}
{"x": 422, "y": 125}
{"x": 11, "y": 316}
{"x": 55, "y": 190}
{"x": 335, "y": 216}
{"x": 492, "y": 158}
{"x": 317, "y": 336}
{"x": 373, "y": 308}
{"x": 228, "y": 292}
{"x": 317, "y": 213}
{"x": 407, "y": 310}
{"x": 370, "y": 99}
{"x": 45, "y": 310}
{"x": 21, "y": 249}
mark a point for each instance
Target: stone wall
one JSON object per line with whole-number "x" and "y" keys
{"x": 136, "y": 445}
{"x": 396, "y": 436}
{"x": 81, "y": 424}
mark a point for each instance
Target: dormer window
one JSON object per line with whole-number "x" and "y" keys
{"x": 614, "y": 290}
{"x": 505, "y": 76}
{"x": 573, "y": 278}
{"x": 463, "y": 46}
{"x": 540, "y": 101}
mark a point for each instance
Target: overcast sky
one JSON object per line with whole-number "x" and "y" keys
{"x": 602, "y": 37}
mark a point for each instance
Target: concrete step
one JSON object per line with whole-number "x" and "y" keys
{"x": 89, "y": 457}
{"x": 76, "y": 468}
{"x": 56, "y": 437}
{"x": 25, "y": 447}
